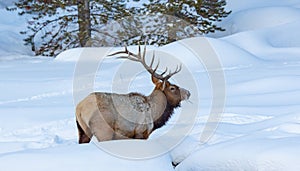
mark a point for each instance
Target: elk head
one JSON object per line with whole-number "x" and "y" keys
{"x": 173, "y": 93}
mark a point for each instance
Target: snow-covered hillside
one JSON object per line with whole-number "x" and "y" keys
{"x": 259, "y": 128}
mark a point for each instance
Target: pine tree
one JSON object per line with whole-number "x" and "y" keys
{"x": 178, "y": 19}
{"x": 202, "y": 13}
{"x": 57, "y": 25}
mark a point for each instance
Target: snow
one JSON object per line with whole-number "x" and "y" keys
{"x": 261, "y": 154}
{"x": 258, "y": 130}
{"x": 74, "y": 157}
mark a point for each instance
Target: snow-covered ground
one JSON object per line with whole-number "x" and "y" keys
{"x": 259, "y": 129}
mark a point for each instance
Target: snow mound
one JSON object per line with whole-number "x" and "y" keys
{"x": 227, "y": 53}
{"x": 70, "y": 55}
{"x": 255, "y": 15}
{"x": 270, "y": 44}
{"x": 259, "y": 18}
{"x": 77, "y": 158}
{"x": 244, "y": 154}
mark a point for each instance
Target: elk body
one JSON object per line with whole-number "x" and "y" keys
{"x": 110, "y": 116}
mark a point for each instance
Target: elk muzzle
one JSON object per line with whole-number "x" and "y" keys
{"x": 185, "y": 94}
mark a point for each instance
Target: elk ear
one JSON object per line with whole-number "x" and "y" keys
{"x": 164, "y": 85}
{"x": 155, "y": 80}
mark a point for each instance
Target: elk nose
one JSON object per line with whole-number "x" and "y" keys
{"x": 188, "y": 94}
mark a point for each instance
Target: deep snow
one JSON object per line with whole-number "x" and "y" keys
{"x": 259, "y": 129}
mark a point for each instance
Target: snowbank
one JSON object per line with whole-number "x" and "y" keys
{"x": 246, "y": 154}
{"x": 77, "y": 158}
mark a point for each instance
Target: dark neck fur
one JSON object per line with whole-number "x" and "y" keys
{"x": 161, "y": 121}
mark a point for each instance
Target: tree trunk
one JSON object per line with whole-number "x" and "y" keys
{"x": 84, "y": 22}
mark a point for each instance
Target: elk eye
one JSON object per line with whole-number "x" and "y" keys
{"x": 172, "y": 88}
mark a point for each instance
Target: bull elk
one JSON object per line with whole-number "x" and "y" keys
{"x": 111, "y": 116}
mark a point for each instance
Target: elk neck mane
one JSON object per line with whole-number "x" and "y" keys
{"x": 161, "y": 121}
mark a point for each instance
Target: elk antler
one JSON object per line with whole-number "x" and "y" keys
{"x": 140, "y": 57}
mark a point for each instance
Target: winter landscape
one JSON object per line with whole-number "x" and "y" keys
{"x": 259, "y": 128}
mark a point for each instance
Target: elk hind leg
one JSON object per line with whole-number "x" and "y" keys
{"x": 83, "y": 138}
